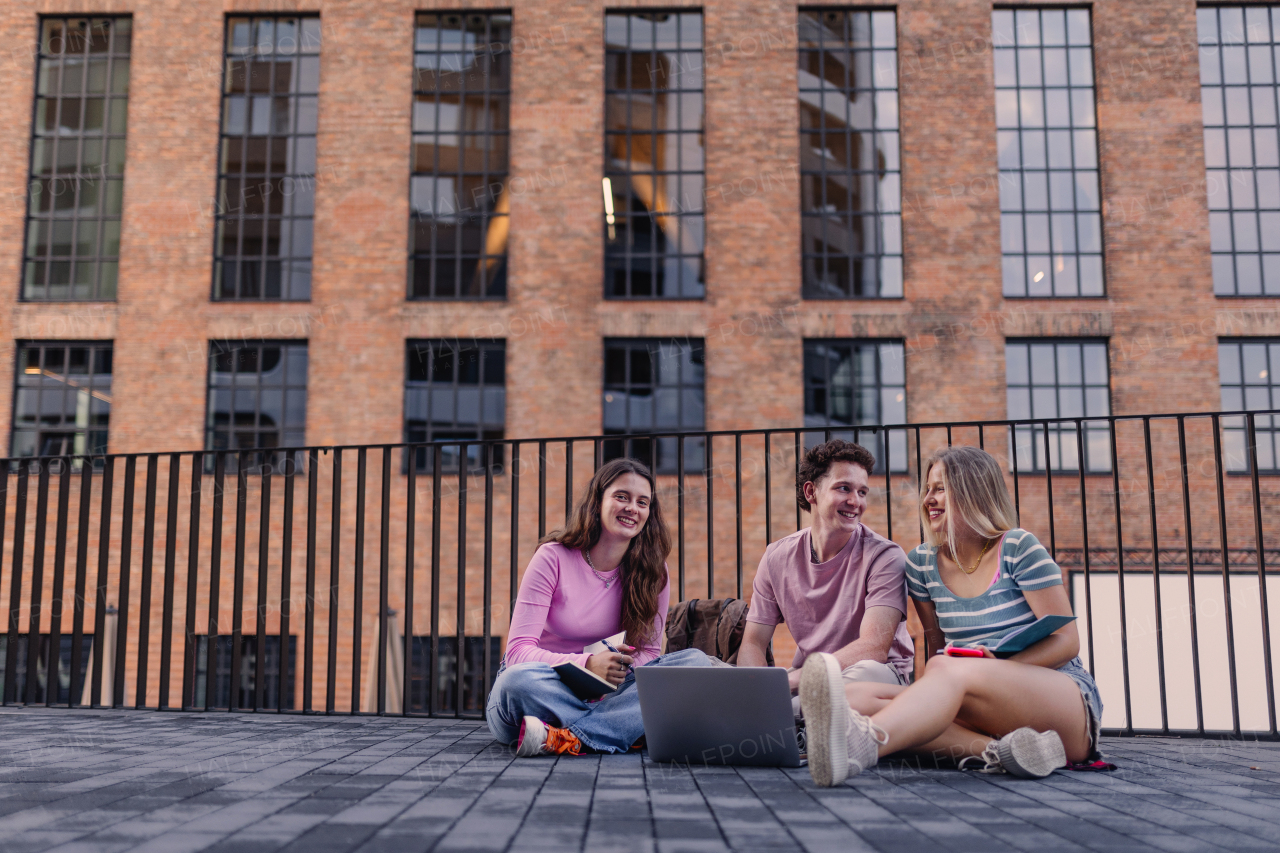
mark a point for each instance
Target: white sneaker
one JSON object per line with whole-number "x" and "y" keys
{"x": 841, "y": 741}
{"x": 538, "y": 738}
{"x": 1023, "y": 752}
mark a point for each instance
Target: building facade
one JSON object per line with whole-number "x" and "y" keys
{"x": 248, "y": 224}
{"x": 864, "y": 192}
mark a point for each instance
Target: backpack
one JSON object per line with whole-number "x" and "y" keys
{"x": 715, "y": 626}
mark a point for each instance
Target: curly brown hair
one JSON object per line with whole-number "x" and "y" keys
{"x": 644, "y": 568}
{"x": 818, "y": 461}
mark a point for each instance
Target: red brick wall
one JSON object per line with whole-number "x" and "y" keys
{"x": 1159, "y": 315}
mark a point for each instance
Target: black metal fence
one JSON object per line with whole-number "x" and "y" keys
{"x": 379, "y": 579}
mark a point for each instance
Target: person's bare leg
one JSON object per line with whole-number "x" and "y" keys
{"x": 995, "y": 696}
{"x": 869, "y": 697}
{"x": 955, "y": 742}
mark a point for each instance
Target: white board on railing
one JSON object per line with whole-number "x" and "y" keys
{"x": 1175, "y": 630}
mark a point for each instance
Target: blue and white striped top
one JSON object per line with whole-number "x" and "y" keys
{"x": 1025, "y": 564}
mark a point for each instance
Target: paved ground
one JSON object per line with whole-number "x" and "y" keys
{"x": 123, "y": 780}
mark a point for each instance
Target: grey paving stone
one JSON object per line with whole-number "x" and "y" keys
{"x": 110, "y": 781}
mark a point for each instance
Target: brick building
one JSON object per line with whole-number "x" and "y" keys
{"x": 247, "y": 224}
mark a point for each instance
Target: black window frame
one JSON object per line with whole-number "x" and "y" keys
{"x": 105, "y": 183}
{"x": 476, "y": 214}
{"x": 43, "y": 660}
{"x": 1236, "y": 458}
{"x": 883, "y": 352}
{"x": 475, "y": 683}
{"x": 1022, "y": 179}
{"x": 1096, "y": 427}
{"x": 220, "y": 348}
{"x": 618, "y": 231}
{"x": 287, "y": 196}
{"x": 96, "y": 390}
{"x": 868, "y": 169}
{"x": 1243, "y": 191}
{"x": 661, "y": 454}
{"x": 197, "y": 660}
{"x": 479, "y": 352}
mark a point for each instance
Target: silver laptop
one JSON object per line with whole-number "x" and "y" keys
{"x": 718, "y": 715}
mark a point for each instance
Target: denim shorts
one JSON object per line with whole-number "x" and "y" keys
{"x": 1092, "y": 698}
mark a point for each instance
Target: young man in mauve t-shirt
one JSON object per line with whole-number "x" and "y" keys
{"x": 840, "y": 587}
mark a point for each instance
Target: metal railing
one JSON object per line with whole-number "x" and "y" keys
{"x": 286, "y": 580}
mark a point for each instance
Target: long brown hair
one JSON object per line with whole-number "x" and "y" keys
{"x": 644, "y": 567}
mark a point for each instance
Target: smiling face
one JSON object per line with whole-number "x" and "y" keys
{"x": 839, "y": 498}
{"x": 625, "y": 507}
{"x": 935, "y": 501}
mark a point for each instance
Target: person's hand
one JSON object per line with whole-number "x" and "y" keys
{"x": 793, "y": 680}
{"x": 610, "y": 666}
{"x": 987, "y": 653}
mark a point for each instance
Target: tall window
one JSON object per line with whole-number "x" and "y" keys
{"x": 62, "y": 402}
{"x": 1241, "y": 146}
{"x": 76, "y": 184}
{"x": 458, "y": 192}
{"x": 223, "y": 648}
{"x": 851, "y": 383}
{"x": 454, "y": 390}
{"x": 1050, "y": 215}
{"x": 655, "y": 169}
{"x": 1249, "y": 371}
{"x": 850, "y": 180}
{"x": 267, "y": 164}
{"x": 655, "y": 385}
{"x": 1059, "y": 379}
{"x": 257, "y": 395}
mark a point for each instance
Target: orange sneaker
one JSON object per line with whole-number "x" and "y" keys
{"x": 538, "y": 738}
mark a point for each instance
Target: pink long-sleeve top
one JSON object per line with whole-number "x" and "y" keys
{"x": 562, "y": 607}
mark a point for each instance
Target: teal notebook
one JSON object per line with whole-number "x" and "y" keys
{"x": 1028, "y": 635}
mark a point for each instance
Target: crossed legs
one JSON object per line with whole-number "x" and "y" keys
{"x": 961, "y": 704}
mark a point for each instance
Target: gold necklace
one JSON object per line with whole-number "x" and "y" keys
{"x": 976, "y": 562}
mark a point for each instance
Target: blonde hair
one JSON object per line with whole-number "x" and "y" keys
{"x": 977, "y": 496}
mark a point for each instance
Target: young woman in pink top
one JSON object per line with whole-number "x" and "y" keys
{"x": 605, "y": 572}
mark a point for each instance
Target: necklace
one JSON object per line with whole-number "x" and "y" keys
{"x": 976, "y": 562}
{"x": 586, "y": 552}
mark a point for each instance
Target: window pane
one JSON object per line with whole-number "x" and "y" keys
{"x": 63, "y": 399}
{"x": 458, "y": 176}
{"x": 268, "y": 405}
{"x": 462, "y": 395}
{"x": 1046, "y": 82}
{"x": 654, "y": 122}
{"x": 1247, "y": 372}
{"x": 75, "y": 142}
{"x": 651, "y": 386}
{"x": 850, "y": 383}
{"x": 1059, "y": 379}
{"x": 843, "y": 171}
{"x": 267, "y": 159}
{"x": 1240, "y": 133}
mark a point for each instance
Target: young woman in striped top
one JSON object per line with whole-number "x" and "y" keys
{"x": 976, "y": 578}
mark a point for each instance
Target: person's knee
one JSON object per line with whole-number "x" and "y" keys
{"x": 959, "y": 670}
{"x": 687, "y": 657}
{"x": 521, "y": 678}
{"x": 870, "y": 670}
{"x": 864, "y": 697}
{"x": 941, "y": 666}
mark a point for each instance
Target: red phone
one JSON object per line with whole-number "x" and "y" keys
{"x": 959, "y": 652}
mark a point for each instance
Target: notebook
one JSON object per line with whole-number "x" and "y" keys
{"x": 1028, "y": 635}
{"x": 584, "y": 683}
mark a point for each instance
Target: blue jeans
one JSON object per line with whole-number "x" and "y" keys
{"x": 534, "y": 690}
